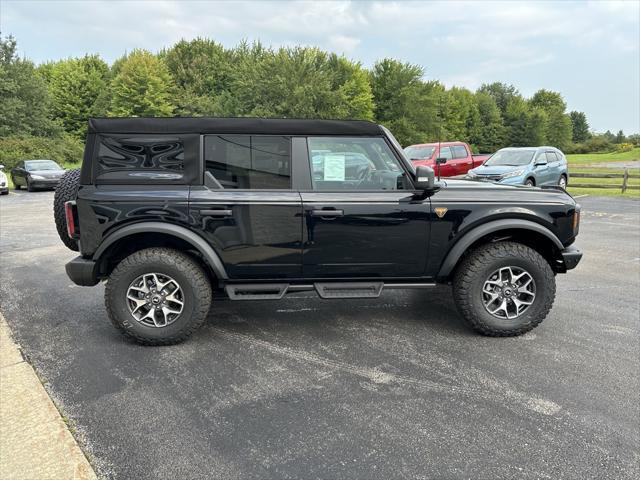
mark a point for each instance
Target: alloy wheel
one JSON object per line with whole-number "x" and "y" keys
{"x": 508, "y": 292}
{"x": 155, "y": 299}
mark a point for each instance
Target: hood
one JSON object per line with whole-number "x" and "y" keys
{"x": 471, "y": 190}
{"x": 47, "y": 173}
{"x": 496, "y": 170}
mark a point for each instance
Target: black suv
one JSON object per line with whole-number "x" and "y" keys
{"x": 173, "y": 211}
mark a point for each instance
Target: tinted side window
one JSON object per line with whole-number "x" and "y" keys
{"x": 248, "y": 161}
{"x": 445, "y": 152}
{"x": 344, "y": 163}
{"x": 142, "y": 159}
{"x": 459, "y": 151}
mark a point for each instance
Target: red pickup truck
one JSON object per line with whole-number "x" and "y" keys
{"x": 458, "y": 154}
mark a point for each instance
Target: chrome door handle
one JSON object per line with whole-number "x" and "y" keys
{"x": 216, "y": 213}
{"x": 327, "y": 213}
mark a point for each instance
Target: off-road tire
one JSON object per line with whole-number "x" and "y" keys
{"x": 66, "y": 190}
{"x": 189, "y": 275}
{"x": 476, "y": 268}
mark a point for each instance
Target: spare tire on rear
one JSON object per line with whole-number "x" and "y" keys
{"x": 66, "y": 190}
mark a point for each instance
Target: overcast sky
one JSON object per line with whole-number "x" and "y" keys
{"x": 588, "y": 51}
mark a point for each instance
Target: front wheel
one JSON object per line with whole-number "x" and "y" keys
{"x": 16, "y": 186}
{"x": 29, "y": 186}
{"x": 504, "y": 289}
{"x": 158, "y": 296}
{"x": 530, "y": 182}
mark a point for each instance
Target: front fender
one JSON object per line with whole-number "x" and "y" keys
{"x": 480, "y": 231}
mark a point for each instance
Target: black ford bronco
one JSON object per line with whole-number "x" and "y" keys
{"x": 172, "y": 212}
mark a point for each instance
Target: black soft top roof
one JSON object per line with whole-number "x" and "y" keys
{"x": 265, "y": 126}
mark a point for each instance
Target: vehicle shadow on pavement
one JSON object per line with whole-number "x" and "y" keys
{"x": 416, "y": 312}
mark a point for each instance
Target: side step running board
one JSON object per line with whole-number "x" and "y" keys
{"x": 349, "y": 289}
{"x": 328, "y": 290}
{"x": 257, "y": 291}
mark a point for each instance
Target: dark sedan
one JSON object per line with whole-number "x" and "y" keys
{"x": 35, "y": 174}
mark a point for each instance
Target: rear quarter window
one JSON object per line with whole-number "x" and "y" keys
{"x": 146, "y": 159}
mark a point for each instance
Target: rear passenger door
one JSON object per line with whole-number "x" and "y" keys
{"x": 246, "y": 208}
{"x": 362, "y": 218}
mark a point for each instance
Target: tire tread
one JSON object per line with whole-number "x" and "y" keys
{"x": 181, "y": 261}
{"x": 66, "y": 190}
{"x": 471, "y": 267}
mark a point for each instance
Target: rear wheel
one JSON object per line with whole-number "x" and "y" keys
{"x": 66, "y": 190}
{"x": 563, "y": 181}
{"x": 158, "y": 296}
{"x": 504, "y": 289}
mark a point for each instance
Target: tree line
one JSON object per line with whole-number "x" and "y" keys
{"x": 44, "y": 108}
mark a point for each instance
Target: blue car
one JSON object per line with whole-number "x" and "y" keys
{"x": 524, "y": 166}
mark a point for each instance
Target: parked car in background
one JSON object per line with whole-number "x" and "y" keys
{"x": 35, "y": 174}
{"x": 459, "y": 159}
{"x": 525, "y": 166}
{"x": 4, "y": 187}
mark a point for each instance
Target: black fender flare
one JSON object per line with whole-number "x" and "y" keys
{"x": 480, "y": 231}
{"x": 177, "y": 231}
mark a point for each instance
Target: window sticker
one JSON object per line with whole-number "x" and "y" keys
{"x": 334, "y": 167}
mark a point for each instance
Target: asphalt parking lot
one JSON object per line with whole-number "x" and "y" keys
{"x": 309, "y": 388}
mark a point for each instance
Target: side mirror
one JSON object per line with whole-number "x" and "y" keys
{"x": 425, "y": 178}
{"x": 441, "y": 160}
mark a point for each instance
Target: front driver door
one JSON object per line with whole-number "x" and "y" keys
{"x": 362, "y": 218}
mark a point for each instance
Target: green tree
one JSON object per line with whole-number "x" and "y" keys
{"x": 142, "y": 87}
{"x": 609, "y": 137}
{"x": 492, "y": 131}
{"x": 296, "y": 82}
{"x": 502, "y": 93}
{"x": 527, "y": 125}
{"x": 75, "y": 85}
{"x": 201, "y": 70}
{"x": 409, "y": 107}
{"x": 24, "y": 99}
{"x": 580, "y": 127}
{"x": 460, "y": 116}
{"x": 620, "y": 138}
{"x": 559, "y": 129}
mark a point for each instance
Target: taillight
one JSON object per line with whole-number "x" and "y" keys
{"x": 71, "y": 219}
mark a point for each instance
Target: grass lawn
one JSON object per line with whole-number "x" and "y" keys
{"x": 587, "y": 158}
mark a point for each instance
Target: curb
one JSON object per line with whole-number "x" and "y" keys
{"x": 35, "y": 442}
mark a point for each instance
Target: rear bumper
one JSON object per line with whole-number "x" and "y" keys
{"x": 571, "y": 256}
{"x": 82, "y": 272}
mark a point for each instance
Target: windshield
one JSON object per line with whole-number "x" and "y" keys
{"x": 415, "y": 151}
{"x": 513, "y": 158}
{"x": 41, "y": 165}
